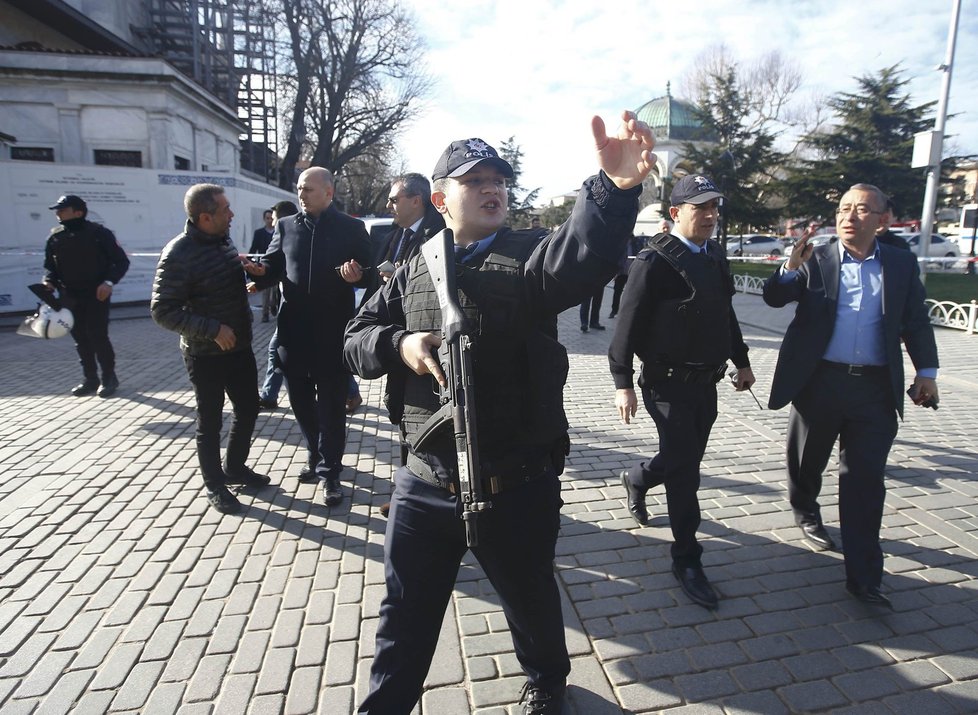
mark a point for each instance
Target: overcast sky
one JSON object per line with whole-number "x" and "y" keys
{"x": 539, "y": 69}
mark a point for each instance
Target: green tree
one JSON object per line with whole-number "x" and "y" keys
{"x": 520, "y": 200}
{"x": 872, "y": 142}
{"x": 743, "y": 160}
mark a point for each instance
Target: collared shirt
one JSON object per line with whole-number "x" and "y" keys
{"x": 689, "y": 244}
{"x": 858, "y": 335}
{"x": 477, "y": 248}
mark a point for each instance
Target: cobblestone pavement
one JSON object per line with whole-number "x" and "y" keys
{"x": 121, "y": 591}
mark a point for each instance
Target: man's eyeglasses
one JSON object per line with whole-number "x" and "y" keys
{"x": 862, "y": 210}
{"x": 394, "y": 199}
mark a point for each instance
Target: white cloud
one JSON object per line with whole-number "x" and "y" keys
{"x": 539, "y": 70}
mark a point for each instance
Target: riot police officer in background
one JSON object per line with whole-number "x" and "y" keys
{"x": 84, "y": 261}
{"x": 512, "y": 284}
{"x": 677, "y": 316}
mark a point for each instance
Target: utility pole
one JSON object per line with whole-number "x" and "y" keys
{"x": 934, "y": 164}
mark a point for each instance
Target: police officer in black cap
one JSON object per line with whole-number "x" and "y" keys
{"x": 84, "y": 262}
{"x": 512, "y": 284}
{"x": 676, "y": 315}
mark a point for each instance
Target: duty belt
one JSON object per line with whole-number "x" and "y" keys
{"x": 498, "y": 475}
{"x": 855, "y": 370}
{"x": 654, "y": 372}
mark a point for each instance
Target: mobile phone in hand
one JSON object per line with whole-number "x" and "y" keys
{"x": 912, "y": 394}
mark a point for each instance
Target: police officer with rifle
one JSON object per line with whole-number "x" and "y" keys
{"x": 499, "y": 429}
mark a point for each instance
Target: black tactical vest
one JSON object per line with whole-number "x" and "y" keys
{"x": 520, "y": 368}
{"x": 78, "y": 255}
{"x": 695, "y": 329}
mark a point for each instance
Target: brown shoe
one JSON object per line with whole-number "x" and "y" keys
{"x": 385, "y": 509}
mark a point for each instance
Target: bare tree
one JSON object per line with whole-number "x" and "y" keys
{"x": 357, "y": 76}
{"x": 767, "y": 86}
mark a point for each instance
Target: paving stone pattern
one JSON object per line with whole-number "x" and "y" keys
{"x": 122, "y": 592}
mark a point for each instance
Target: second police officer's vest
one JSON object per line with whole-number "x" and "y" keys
{"x": 693, "y": 329}
{"x": 520, "y": 367}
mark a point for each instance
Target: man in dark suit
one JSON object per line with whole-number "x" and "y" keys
{"x": 415, "y": 219}
{"x": 259, "y": 244}
{"x": 841, "y": 368}
{"x": 318, "y": 255}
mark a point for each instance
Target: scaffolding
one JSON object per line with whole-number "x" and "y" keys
{"x": 227, "y": 47}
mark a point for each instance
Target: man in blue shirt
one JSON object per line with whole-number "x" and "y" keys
{"x": 841, "y": 368}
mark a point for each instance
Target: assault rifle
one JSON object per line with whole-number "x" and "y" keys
{"x": 458, "y": 398}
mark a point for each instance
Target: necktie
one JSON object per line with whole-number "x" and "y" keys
{"x": 402, "y": 247}
{"x": 462, "y": 255}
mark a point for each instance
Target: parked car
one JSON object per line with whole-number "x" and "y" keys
{"x": 940, "y": 247}
{"x": 379, "y": 229}
{"x": 819, "y": 240}
{"x": 754, "y": 244}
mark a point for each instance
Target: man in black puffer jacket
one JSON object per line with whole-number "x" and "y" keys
{"x": 199, "y": 292}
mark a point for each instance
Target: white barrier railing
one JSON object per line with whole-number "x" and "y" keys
{"x": 961, "y": 316}
{"x": 947, "y": 314}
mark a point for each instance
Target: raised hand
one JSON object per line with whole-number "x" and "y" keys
{"x": 626, "y": 158}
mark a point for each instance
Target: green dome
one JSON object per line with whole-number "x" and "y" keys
{"x": 673, "y": 119}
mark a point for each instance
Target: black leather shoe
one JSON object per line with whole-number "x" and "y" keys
{"x": 537, "y": 701}
{"x": 89, "y": 387}
{"x": 308, "y": 475}
{"x": 109, "y": 386}
{"x": 636, "y": 500}
{"x": 870, "y": 595}
{"x": 817, "y": 535}
{"x": 583, "y": 327}
{"x": 597, "y": 326}
{"x": 264, "y": 404}
{"x": 246, "y": 477}
{"x": 332, "y": 494}
{"x": 223, "y": 500}
{"x": 695, "y": 585}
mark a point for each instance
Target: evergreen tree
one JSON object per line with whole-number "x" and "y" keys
{"x": 743, "y": 160}
{"x": 520, "y": 200}
{"x": 872, "y": 143}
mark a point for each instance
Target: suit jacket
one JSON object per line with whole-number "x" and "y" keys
{"x": 431, "y": 223}
{"x": 816, "y": 290}
{"x": 316, "y": 301}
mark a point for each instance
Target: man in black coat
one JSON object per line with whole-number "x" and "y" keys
{"x": 199, "y": 292}
{"x": 318, "y": 255}
{"x": 841, "y": 368}
{"x": 416, "y": 220}
{"x": 259, "y": 244}
{"x": 677, "y": 316}
{"x": 84, "y": 261}
{"x": 512, "y": 285}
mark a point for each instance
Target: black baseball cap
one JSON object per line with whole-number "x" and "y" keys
{"x": 461, "y": 157}
{"x": 694, "y": 189}
{"x": 70, "y": 201}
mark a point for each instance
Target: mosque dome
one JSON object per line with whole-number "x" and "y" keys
{"x": 673, "y": 119}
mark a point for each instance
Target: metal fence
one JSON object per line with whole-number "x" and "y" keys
{"x": 960, "y": 316}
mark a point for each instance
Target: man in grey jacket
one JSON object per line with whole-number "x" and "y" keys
{"x": 199, "y": 292}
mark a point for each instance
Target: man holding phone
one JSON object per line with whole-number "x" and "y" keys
{"x": 841, "y": 368}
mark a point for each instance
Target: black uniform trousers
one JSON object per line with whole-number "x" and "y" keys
{"x": 319, "y": 404}
{"x": 212, "y": 376}
{"x": 424, "y": 544}
{"x": 590, "y": 309}
{"x": 684, "y": 414}
{"x": 619, "y": 287}
{"x": 91, "y": 333}
{"x": 857, "y": 411}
